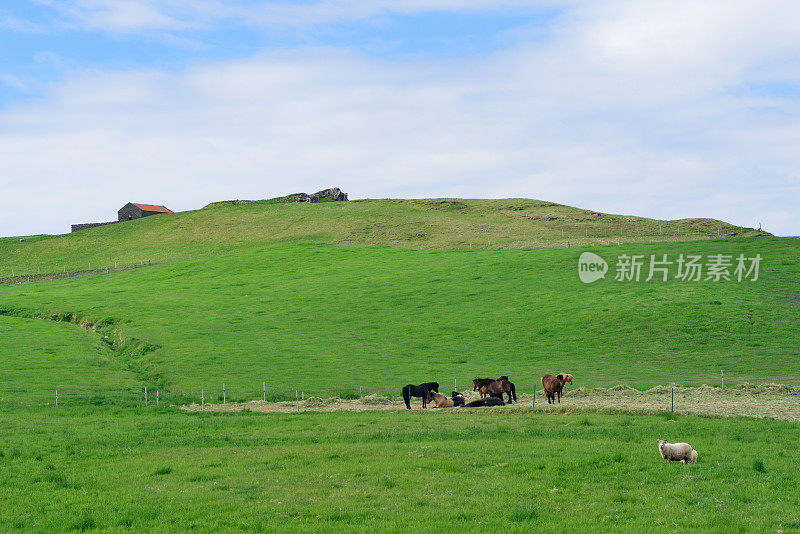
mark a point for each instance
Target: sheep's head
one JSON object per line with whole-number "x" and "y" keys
{"x": 661, "y": 443}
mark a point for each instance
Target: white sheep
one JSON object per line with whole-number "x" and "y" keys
{"x": 677, "y": 452}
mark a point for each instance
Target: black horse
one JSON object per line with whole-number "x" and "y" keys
{"x": 488, "y": 401}
{"x": 421, "y": 390}
{"x": 458, "y": 398}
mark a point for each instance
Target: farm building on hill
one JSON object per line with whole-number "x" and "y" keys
{"x": 128, "y": 212}
{"x": 132, "y": 211}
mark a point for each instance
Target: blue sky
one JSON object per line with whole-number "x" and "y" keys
{"x": 664, "y": 109}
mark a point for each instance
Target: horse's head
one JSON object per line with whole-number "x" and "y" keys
{"x": 568, "y": 378}
{"x": 475, "y": 384}
{"x": 431, "y": 396}
{"x": 504, "y": 377}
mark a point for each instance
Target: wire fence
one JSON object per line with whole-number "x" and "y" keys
{"x": 528, "y": 394}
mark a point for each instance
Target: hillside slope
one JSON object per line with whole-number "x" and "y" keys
{"x": 416, "y": 224}
{"x": 316, "y": 317}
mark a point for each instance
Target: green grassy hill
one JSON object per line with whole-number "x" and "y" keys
{"x": 288, "y": 294}
{"x": 416, "y": 224}
{"x": 320, "y": 316}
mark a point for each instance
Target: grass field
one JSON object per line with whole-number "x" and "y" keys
{"x": 289, "y": 295}
{"x": 419, "y": 224}
{"x": 158, "y": 470}
{"x": 317, "y": 317}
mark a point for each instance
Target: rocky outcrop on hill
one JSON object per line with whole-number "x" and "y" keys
{"x": 334, "y": 193}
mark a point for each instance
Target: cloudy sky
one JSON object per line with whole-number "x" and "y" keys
{"x": 667, "y": 109}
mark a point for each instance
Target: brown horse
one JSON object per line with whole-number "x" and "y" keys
{"x": 553, "y": 386}
{"x": 439, "y": 400}
{"x": 495, "y": 388}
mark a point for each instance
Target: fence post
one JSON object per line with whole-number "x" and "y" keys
{"x": 145, "y": 395}
{"x": 534, "y": 395}
{"x": 302, "y": 396}
{"x": 158, "y": 400}
{"x": 723, "y": 378}
{"x": 56, "y": 397}
{"x": 672, "y": 405}
{"x": 297, "y": 399}
{"x": 202, "y": 400}
{"x": 223, "y": 393}
{"x": 455, "y": 382}
{"x": 361, "y": 391}
{"x": 265, "y": 391}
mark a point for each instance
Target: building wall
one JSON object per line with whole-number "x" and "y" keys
{"x": 86, "y": 226}
{"x": 129, "y": 212}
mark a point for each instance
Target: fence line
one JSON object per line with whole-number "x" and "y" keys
{"x": 61, "y": 395}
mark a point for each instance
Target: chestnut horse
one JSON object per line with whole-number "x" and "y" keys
{"x": 553, "y": 385}
{"x": 495, "y": 388}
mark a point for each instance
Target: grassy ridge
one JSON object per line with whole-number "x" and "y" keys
{"x": 159, "y": 470}
{"x": 419, "y": 224}
{"x": 315, "y": 317}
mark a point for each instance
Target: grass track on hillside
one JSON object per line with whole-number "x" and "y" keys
{"x": 115, "y": 470}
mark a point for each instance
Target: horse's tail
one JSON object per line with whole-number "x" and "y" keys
{"x": 513, "y": 391}
{"x": 407, "y": 396}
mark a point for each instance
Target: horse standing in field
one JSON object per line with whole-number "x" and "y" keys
{"x": 495, "y": 388}
{"x": 553, "y": 385}
{"x": 421, "y": 390}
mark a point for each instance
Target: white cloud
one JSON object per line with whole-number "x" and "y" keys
{"x": 137, "y": 15}
{"x": 616, "y": 113}
{"x": 10, "y": 22}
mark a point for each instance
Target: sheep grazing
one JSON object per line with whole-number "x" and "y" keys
{"x": 677, "y": 452}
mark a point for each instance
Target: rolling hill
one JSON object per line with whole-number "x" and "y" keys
{"x": 327, "y": 317}
{"x": 411, "y": 224}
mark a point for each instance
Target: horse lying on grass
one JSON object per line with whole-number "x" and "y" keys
{"x": 488, "y": 401}
{"x": 553, "y": 385}
{"x": 439, "y": 400}
{"x": 421, "y": 390}
{"x": 458, "y": 399}
{"x": 495, "y": 388}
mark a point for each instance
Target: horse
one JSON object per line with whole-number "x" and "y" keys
{"x": 458, "y": 398}
{"x": 495, "y": 388}
{"x": 553, "y": 386}
{"x": 488, "y": 401}
{"x": 421, "y": 390}
{"x": 439, "y": 400}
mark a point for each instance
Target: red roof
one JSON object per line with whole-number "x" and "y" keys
{"x": 151, "y": 207}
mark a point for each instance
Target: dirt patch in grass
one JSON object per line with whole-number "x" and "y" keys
{"x": 770, "y": 401}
